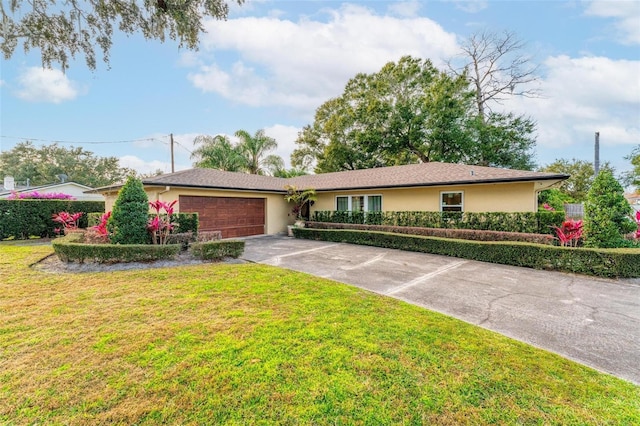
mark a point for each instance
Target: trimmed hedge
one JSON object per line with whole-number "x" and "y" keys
{"x": 612, "y": 263}
{"x": 207, "y": 236}
{"x": 182, "y": 238}
{"x": 187, "y": 222}
{"x": 216, "y": 250}
{"x": 69, "y": 249}
{"x": 462, "y": 234}
{"x": 541, "y": 222}
{"x": 21, "y": 219}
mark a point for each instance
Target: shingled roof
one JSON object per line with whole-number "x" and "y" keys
{"x": 211, "y": 178}
{"x": 412, "y": 175}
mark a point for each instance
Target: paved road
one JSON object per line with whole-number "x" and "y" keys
{"x": 593, "y": 321}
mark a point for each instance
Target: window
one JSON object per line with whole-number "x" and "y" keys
{"x": 374, "y": 203}
{"x": 451, "y": 201}
{"x": 342, "y": 204}
{"x": 359, "y": 203}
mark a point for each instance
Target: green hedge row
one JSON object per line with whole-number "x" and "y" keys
{"x": 541, "y": 222}
{"x": 187, "y": 222}
{"x": 216, "y": 250}
{"x": 462, "y": 234}
{"x": 69, "y": 249}
{"x": 21, "y": 219}
{"x": 624, "y": 263}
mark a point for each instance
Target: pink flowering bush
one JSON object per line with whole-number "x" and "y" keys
{"x": 160, "y": 226}
{"x": 547, "y": 207}
{"x": 35, "y": 195}
{"x": 569, "y": 233}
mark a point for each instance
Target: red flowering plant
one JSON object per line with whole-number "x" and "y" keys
{"x": 569, "y": 233}
{"x": 69, "y": 221}
{"x": 160, "y": 226}
{"x": 636, "y": 234}
{"x": 99, "y": 234}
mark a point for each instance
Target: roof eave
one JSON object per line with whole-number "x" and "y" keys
{"x": 448, "y": 183}
{"x": 226, "y": 188}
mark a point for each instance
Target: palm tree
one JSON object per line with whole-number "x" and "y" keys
{"x": 217, "y": 152}
{"x": 290, "y": 173}
{"x": 255, "y": 148}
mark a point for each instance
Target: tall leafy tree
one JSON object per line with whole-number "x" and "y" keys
{"x": 581, "y": 177}
{"x": 503, "y": 140}
{"x": 607, "y": 213}
{"x": 255, "y": 151}
{"x": 217, "y": 152}
{"x": 633, "y": 177}
{"x": 409, "y": 112}
{"x": 63, "y": 30}
{"x": 53, "y": 163}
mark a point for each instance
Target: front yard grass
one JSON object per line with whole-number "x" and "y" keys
{"x": 253, "y": 344}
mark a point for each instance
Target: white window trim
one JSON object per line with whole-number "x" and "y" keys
{"x": 366, "y": 201}
{"x": 452, "y": 192}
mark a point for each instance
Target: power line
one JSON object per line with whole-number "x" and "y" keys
{"x": 183, "y": 147}
{"x": 85, "y": 142}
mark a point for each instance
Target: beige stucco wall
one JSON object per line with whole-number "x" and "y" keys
{"x": 277, "y": 210}
{"x": 499, "y": 197}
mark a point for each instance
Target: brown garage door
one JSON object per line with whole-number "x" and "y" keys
{"x": 235, "y": 217}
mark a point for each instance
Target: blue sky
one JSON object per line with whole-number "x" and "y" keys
{"x": 272, "y": 63}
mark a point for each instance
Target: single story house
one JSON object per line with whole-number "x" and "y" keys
{"x": 76, "y": 190}
{"x": 240, "y": 204}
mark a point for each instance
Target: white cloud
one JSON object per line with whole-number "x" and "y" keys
{"x": 598, "y": 81}
{"x": 157, "y": 145}
{"x": 582, "y": 96}
{"x": 46, "y": 85}
{"x": 286, "y": 137}
{"x": 142, "y": 166}
{"x": 302, "y": 64}
{"x": 406, "y": 9}
{"x": 625, "y": 12}
{"x": 471, "y": 6}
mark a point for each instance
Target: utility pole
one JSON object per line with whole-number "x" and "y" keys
{"x": 173, "y": 169}
{"x": 596, "y": 160}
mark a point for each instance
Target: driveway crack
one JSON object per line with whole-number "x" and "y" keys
{"x": 491, "y": 303}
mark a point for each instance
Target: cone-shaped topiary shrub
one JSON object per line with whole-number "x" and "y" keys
{"x": 606, "y": 218}
{"x": 130, "y": 214}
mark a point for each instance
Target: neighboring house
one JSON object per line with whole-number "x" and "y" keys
{"x": 76, "y": 190}
{"x": 634, "y": 200}
{"x": 240, "y": 204}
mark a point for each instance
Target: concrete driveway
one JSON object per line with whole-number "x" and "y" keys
{"x": 592, "y": 321}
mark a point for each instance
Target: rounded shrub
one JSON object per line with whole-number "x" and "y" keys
{"x": 130, "y": 214}
{"x": 606, "y": 213}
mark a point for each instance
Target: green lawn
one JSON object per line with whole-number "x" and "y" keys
{"x": 252, "y": 344}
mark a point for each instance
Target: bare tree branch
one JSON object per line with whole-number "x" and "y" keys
{"x": 496, "y": 69}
